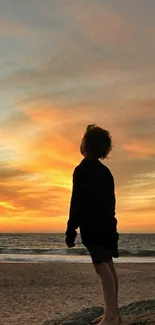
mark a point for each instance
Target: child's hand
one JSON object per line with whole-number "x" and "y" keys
{"x": 70, "y": 245}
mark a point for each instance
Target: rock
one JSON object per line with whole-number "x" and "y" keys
{"x": 136, "y": 313}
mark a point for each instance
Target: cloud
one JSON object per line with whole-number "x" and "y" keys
{"x": 22, "y": 197}
{"x": 9, "y": 172}
{"x": 15, "y": 29}
{"x": 143, "y": 127}
{"x": 42, "y": 184}
{"x": 139, "y": 140}
{"x": 98, "y": 22}
{"x": 14, "y": 120}
{"x": 140, "y": 149}
{"x": 7, "y": 206}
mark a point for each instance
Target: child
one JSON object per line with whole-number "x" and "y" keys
{"x": 92, "y": 209}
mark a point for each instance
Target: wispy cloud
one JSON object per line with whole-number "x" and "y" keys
{"x": 15, "y": 29}
{"x": 99, "y": 23}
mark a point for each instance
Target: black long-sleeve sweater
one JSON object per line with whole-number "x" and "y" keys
{"x": 92, "y": 206}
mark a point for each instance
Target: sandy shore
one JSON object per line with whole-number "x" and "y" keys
{"x": 35, "y": 293}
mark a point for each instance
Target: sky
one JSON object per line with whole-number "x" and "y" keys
{"x": 63, "y": 65}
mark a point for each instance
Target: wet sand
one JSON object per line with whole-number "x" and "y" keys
{"x": 34, "y": 293}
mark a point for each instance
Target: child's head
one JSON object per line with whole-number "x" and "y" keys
{"x": 96, "y": 143}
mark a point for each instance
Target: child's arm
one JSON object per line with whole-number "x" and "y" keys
{"x": 73, "y": 221}
{"x": 111, "y": 203}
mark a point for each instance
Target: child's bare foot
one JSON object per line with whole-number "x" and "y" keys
{"x": 112, "y": 321}
{"x": 99, "y": 319}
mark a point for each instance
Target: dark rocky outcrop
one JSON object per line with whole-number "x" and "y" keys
{"x": 136, "y": 313}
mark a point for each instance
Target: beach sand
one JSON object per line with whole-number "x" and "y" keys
{"x": 35, "y": 293}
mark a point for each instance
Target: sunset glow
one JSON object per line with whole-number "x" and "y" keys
{"x": 62, "y": 68}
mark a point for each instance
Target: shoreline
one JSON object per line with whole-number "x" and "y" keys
{"x": 36, "y": 258}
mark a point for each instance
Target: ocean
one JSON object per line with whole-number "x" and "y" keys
{"x": 50, "y": 247}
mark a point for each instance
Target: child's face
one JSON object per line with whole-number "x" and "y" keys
{"x": 82, "y": 147}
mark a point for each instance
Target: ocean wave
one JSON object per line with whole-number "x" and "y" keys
{"x": 25, "y": 258}
{"x": 71, "y": 252}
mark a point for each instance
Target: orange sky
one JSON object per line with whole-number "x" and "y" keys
{"x": 62, "y": 68}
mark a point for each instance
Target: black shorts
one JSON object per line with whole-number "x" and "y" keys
{"x": 100, "y": 254}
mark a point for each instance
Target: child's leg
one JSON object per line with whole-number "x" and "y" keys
{"x": 115, "y": 276}
{"x": 109, "y": 293}
{"x": 113, "y": 271}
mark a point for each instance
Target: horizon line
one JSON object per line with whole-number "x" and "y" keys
{"x": 151, "y": 233}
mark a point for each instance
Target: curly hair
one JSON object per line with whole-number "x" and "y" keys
{"x": 96, "y": 142}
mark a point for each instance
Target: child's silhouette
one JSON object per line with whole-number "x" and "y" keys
{"x": 92, "y": 209}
